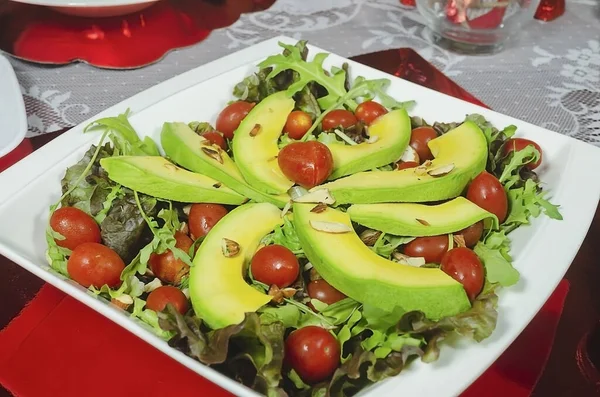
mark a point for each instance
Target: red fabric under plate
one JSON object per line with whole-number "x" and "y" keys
{"x": 59, "y": 347}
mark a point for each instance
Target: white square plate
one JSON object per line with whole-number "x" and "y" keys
{"x": 542, "y": 251}
{"x": 13, "y": 119}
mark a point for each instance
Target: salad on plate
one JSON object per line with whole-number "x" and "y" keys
{"x": 314, "y": 240}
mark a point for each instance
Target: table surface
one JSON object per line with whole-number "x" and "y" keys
{"x": 550, "y": 76}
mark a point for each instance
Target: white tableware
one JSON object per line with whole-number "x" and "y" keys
{"x": 93, "y": 8}
{"x": 13, "y": 118}
{"x": 542, "y": 251}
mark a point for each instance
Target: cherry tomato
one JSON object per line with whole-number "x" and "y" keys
{"x": 463, "y": 265}
{"x": 306, "y": 163}
{"x": 313, "y": 353}
{"x": 518, "y": 144}
{"x": 95, "y": 264}
{"x": 472, "y": 233}
{"x": 431, "y": 248}
{"x": 230, "y": 118}
{"x": 275, "y": 264}
{"x": 166, "y": 266}
{"x": 75, "y": 226}
{"x": 368, "y": 111}
{"x": 402, "y": 165}
{"x": 159, "y": 298}
{"x": 216, "y": 138}
{"x": 297, "y": 124}
{"x": 324, "y": 292}
{"x": 487, "y": 192}
{"x": 337, "y": 118}
{"x": 204, "y": 217}
{"x": 419, "y": 138}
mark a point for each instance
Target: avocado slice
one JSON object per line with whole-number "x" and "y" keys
{"x": 255, "y": 147}
{"x": 195, "y": 153}
{"x": 464, "y": 147}
{"x": 390, "y": 134}
{"x": 158, "y": 177}
{"x": 416, "y": 220}
{"x": 345, "y": 262}
{"x": 219, "y": 293}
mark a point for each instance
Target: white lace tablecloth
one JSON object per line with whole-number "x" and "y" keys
{"x": 549, "y": 77}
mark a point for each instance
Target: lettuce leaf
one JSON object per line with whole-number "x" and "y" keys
{"x": 494, "y": 254}
{"x": 285, "y": 235}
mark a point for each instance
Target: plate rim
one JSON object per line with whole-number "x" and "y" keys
{"x": 25, "y": 175}
{"x": 16, "y": 96}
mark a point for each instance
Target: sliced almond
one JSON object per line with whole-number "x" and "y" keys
{"x": 408, "y": 260}
{"x": 187, "y": 209}
{"x": 459, "y": 240}
{"x": 317, "y": 196}
{"x": 423, "y": 222}
{"x": 330, "y": 227}
{"x": 420, "y": 170}
{"x": 184, "y": 228}
{"x": 255, "y": 130}
{"x": 441, "y": 170}
{"x": 206, "y": 142}
{"x": 186, "y": 292}
{"x": 410, "y": 154}
{"x": 370, "y": 237}
{"x": 152, "y": 285}
{"x": 122, "y": 301}
{"x": 286, "y": 208}
{"x": 230, "y": 248}
{"x": 213, "y": 154}
{"x": 217, "y": 185}
{"x": 314, "y": 275}
{"x": 372, "y": 139}
{"x": 319, "y": 208}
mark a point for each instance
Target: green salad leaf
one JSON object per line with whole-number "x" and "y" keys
{"x": 495, "y": 256}
{"x": 56, "y": 255}
{"x": 386, "y": 244}
{"x": 285, "y": 235}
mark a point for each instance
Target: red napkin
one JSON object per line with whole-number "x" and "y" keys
{"x": 59, "y": 347}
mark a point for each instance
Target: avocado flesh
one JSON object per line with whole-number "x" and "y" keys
{"x": 345, "y": 262}
{"x": 218, "y": 291}
{"x": 184, "y": 147}
{"x": 158, "y": 177}
{"x": 465, "y": 147}
{"x": 392, "y": 134}
{"x": 255, "y": 147}
{"x": 416, "y": 220}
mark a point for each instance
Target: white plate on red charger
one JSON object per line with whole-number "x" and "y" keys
{"x": 542, "y": 251}
{"x": 93, "y": 8}
{"x": 13, "y": 118}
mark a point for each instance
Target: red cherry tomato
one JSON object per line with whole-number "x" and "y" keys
{"x": 230, "y": 118}
{"x": 431, "y": 248}
{"x": 275, "y": 264}
{"x": 419, "y": 138}
{"x": 464, "y": 266}
{"x": 323, "y": 291}
{"x": 338, "y": 118}
{"x": 313, "y": 353}
{"x": 487, "y": 192}
{"x": 306, "y": 163}
{"x": 166, "y": 266}
{"x": 216, "y": 138}
{"x": 160, "y": 297}
{"x": 472, "y": 234}
{"x": 368, "y": 111}
{"x": 402, "y": 165}
{"x": 204, "y": 217}
{"x": 95, "y": 264}
{"x": 298, "y": 123}
{"x": 518, "y": 144}
{"x": 75, "y": 226}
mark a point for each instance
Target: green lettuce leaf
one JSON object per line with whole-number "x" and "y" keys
{"x": 388, "y": 243}
{"x": 285, "y": 235}
{"x": 494, "y": 254}
{"x": 56, "y": 255}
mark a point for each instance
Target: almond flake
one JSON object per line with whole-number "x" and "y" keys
{"x": 276, "y": 294}
{"x": 184, "y": 228}
{"x": 314, "y": 275}
{"x": 255, "y": 130}
{"x": 441, "y": 170}
{"x": 459, "y": 240}
{"x": 122, "y": 301}
{"x": 423, "y": 222}
{"x": 152, "y": 285}
{"x": 217, "y": 185}
{"x": 372, "y": 139}
{"x": 230, "y": 248}
{"x": 186, "y": 292}
{"x": 408, "y": 260}
{"x": 370, "y": 237}
{"x": 213, "y": 154}
{"x": 420, "y": 170}
{"x": 206, "y": 142}
{"x": 317, "y": 209}
{"x": 187, "y": 209}
{"x": 410, "y": 154}
{"x": 317, "y": 196}
{"x": 330, "y": 227}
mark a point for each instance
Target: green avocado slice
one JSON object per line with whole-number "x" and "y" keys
{"x": 158, "y": 177}
{"x": 390, "y": 135}
{"x": 218, "y": 291}
{"x": 416, "y": 220}
{"x": 345, "y": 262}
{"x": 255, "y": 147}
{"x": 465, "y": 148}
{"x": 186, "y": 148}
